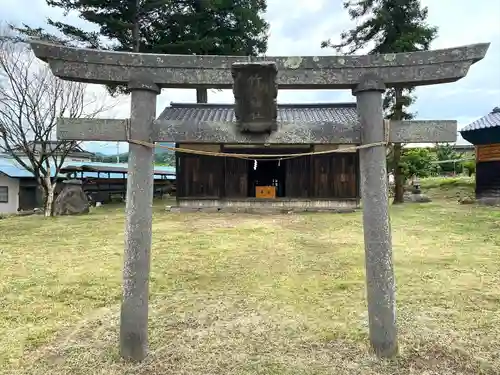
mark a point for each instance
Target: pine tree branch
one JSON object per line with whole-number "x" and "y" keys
{"x": 224, "y": 27}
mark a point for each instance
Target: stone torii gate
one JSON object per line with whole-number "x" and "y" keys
{"x": 366, "y": 76}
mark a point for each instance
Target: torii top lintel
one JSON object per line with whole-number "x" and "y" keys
{"x": 294, "y": 72}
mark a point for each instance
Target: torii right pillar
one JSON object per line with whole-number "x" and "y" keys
{"x": 380, "y": 283}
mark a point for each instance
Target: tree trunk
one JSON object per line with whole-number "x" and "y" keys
{"x": 136, "y": 28}
{"x": 398, "y": 175}
{"x": 48, "y": 196}
{"x": 398, "y": 171}
{"x": 53, "y": 205}
{"x": 49, "y": 201}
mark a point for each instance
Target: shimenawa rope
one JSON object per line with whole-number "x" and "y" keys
{"x": 265, "y": 156}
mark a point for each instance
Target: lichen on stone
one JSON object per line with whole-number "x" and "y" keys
{"x": 293, "y": 62}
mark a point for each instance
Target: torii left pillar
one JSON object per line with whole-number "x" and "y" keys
{"x": 138, "y": 230}
{"x": 380, "y": 284}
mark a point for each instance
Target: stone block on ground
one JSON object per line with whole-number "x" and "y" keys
{"x": 72, "y": 200}
{"x": 416, "y": 198}
{"x": 467, "y": 200}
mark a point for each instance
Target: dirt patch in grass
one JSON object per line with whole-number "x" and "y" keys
{"x": 250, "y": 294}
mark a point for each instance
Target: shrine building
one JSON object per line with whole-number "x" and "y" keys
{"x": 328, "y": 181}
{"x": 484, "y": 134}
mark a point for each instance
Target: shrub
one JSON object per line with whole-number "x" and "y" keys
{"x": 417, "y": 162}
{"x": 470, "y": 167}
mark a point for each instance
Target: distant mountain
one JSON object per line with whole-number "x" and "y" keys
{"x": 162, "y": 156}
{"x": 161, "y": 150}
{"x": 122, "y": 158}
{"x": 100, "y": 154}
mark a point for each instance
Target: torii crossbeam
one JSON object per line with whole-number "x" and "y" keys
{"x": 366, "y": 76}
{"x": 294, "y": 72}
{"x": 80, "y": 129}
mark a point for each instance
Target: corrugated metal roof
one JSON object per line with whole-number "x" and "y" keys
{"x": 111, "y": 167}
{"x": 8, "y": 168}
{"x": 491, "y": 120}
{"x": 118, "y": 175}
{"x": 14, "y": 171}
{"x": 328, "y": 112}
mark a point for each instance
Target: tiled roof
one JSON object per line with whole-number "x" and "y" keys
{"x": 328, "y": 112}
{"x": 491, "y": 120}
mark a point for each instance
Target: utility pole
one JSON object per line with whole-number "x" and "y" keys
{"x": 117, "y": 152}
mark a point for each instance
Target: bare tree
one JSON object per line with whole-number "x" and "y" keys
{"x": 31, "y": 101}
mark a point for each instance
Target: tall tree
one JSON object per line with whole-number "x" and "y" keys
{"x": 223, "y": 27}
{"x": 389, "y": 26}
{"x": 31, "y": 101}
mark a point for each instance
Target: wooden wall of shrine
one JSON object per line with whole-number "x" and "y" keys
{"x": 325, "y": 176}
{"x": 488, "y": 171}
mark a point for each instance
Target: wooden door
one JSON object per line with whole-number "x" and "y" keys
{"x": 199, "y": 176}
{"x": 236, "y": 177}
{"x": 345, "y": 175}
{"x": 335, "y": 176}
{"x": 298, "y": 177}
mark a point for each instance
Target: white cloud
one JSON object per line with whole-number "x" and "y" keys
{"x": 298, "y": 27}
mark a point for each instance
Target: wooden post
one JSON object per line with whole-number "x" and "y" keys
{"x": 134, "y": 309}
{"x": 376, "y": 224}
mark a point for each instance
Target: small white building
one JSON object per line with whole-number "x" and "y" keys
{"x": 18, "y": 188}
{"x": 9, "y": 194}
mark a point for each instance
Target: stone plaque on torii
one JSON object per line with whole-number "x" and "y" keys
{"x": 366, "y": 76}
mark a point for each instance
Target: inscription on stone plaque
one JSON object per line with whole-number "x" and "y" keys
{"x": 255, "y": 91}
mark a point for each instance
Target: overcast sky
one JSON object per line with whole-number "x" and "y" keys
{"x": 299, "y": 26}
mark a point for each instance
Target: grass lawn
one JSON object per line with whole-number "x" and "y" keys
{"x": 249, "y": 294}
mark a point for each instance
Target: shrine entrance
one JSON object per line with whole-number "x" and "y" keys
{"x": 257, "y": 122}
{"x": 266, "y": 179}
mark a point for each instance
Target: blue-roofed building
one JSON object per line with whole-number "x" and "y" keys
{"x": 18, "y": 187}
{"x": 484, "y": 131}
{"x": 484, "y": 134}
{"x": 111, "y": 170}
